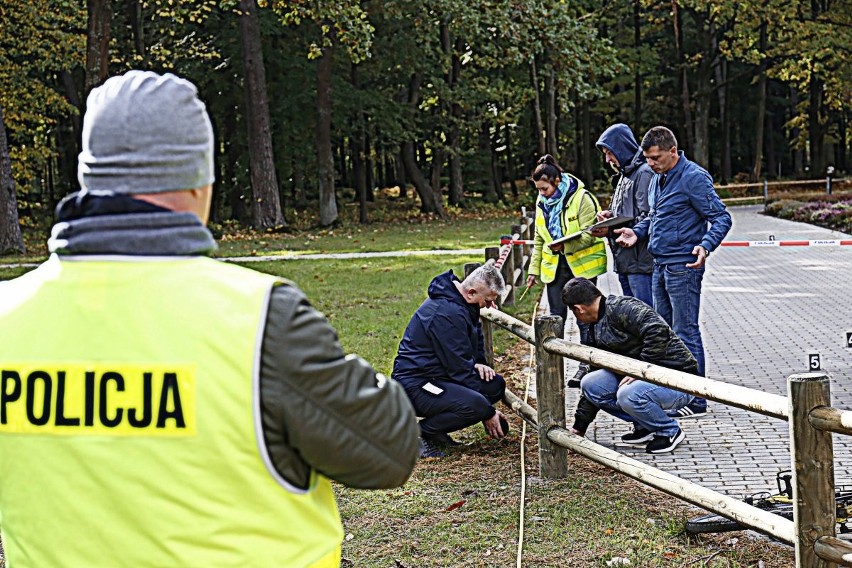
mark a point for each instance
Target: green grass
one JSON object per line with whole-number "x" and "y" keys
{"x": 394, "y": 225}
{"x": 368, "y": 300}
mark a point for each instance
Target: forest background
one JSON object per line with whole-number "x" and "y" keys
{"x": 452, "y": 101}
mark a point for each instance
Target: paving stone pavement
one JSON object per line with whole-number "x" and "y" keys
{"x": 764, "y": 310}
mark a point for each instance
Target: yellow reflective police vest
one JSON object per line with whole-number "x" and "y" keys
{"x": 130, "y": 429}
{"x": 587, "y": 262}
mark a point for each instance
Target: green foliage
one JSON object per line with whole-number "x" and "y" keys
{"x": 38, "y": 41}
{"x": 343, "y": 22}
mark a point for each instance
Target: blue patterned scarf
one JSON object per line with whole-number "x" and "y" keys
{"x": 553, "y": 206}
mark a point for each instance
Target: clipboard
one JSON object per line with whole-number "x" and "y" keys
{"x": 613, "y": 222}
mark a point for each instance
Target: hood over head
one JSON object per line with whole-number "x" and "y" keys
{"x": 619, "y": 140}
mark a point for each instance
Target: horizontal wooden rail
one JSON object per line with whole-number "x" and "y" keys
{"x": 734, "y": 395}
{"x": 742, "y": 397}
{"x": 831, "y": 420}
{"x": 525, "y": 411}
{"x": 509, "y": 323}
{"x": 839, "y": 181}
{"x": 742, "y": 512}
{"x": 834, "y": 550}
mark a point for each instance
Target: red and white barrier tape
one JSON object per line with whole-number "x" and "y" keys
{"x": 773, "y": 243}
{"x": 815, "y": 243}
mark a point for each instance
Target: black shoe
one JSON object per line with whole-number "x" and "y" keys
{"x": 582, "y": 371}
{"x": 691, "y": 410}
{"x": 443, "y": 440}
{"x": 637, "y": 436}
{"x": 665, "y": 444}
{"x": 429, "y": 450}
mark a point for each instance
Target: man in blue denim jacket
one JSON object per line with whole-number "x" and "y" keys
{"x": 686, "y": 223}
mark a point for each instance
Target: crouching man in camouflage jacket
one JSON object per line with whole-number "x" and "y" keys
{"x": 627, "y": 326}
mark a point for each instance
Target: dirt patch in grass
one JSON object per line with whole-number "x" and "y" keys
{"x": 463, "y": 510}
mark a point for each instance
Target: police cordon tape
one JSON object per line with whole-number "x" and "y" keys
{"x": 769, "y": 243}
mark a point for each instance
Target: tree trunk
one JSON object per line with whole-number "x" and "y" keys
{"x": 637, "y": 75}
{"x": 11, "y": 240}
{"x": 539, "y": 125}
{"x": 99, "y": 14}
{"x": 358, "y": 152}
{"x": 586, "y": 145}
{"x": 428, "y": 204}
{"x": 489, "y": 193}
{"x": 325, "y": 155}
{"x": 842, "y": 123}
{"x": 456, "y": 190}
{"x": 721, "y": 70}
{"x": 798, "y": 153}
{"x": 134, "y": 14}
{"x": 684, "y": 83}
{"x": 359, "y": 173}
{"x": 266, "y": 204}
{"x": 70, "y": 149}
{"x": 816, "y": 130}
{"x": 369, "y": 165}
{"x": 760, "y": 118}
{"x": 436, "y": 170}
{"x": 550, "y": 101}
{"x": 771, "y": 152}
{"x": 704, "y": 87}
{"x": 401, "y": 178}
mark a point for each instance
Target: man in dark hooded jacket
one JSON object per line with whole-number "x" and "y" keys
{"x": 630, "y": 199}
{"x": 634, "y": 266}
{"x": 441, "y": 360}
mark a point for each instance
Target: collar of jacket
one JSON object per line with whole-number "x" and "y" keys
{"x": 118, "y": 225}
{"x": 601, "y": 309}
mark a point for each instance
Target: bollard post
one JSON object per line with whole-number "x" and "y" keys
{"x": 550, "y": 387}
{"x": 518, "y": 254}
{"x": 508, "y": 271}
{"x": 765, "y": 191}
{"x": 812, "y": 458}
{"x": 529, "y": 234}
{"x": 487, "y": 326}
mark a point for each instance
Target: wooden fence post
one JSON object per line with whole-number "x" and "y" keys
{"x": 550, "y": 386}
{"x": 487, "y": 326}
{"x": 812, "y": 458}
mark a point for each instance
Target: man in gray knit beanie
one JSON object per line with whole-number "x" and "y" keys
{"x": 145, "y": 133}
{"x": 145, "y": 172}
{"x": 202, "y": 408}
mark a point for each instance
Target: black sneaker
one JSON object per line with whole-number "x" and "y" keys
{"x": 443, "y": 440}
{"x": 582, "y": 371}
{"x": 429, "y": 450}
{"x": 691, "y": 410}
{"x": 665, "y": 444}
{"x": 637, "y": 436}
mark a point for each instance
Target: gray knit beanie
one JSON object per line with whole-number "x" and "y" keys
{"x": 145, "y": 133}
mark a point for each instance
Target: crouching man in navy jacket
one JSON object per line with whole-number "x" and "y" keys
{"x": 441, "y": 361}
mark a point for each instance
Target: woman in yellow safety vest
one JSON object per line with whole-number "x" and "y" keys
{"x": 564, "y": 208}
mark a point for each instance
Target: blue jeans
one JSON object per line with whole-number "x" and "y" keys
{"x": 677, "y": 298}
{"x": 637, "y": 285}
{"x": 554, "y": 294}
{"x": 643, "y": 404}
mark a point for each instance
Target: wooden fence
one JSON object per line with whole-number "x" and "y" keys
{"x": 751, "y": 192}
{"x": 806, "y": 408}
